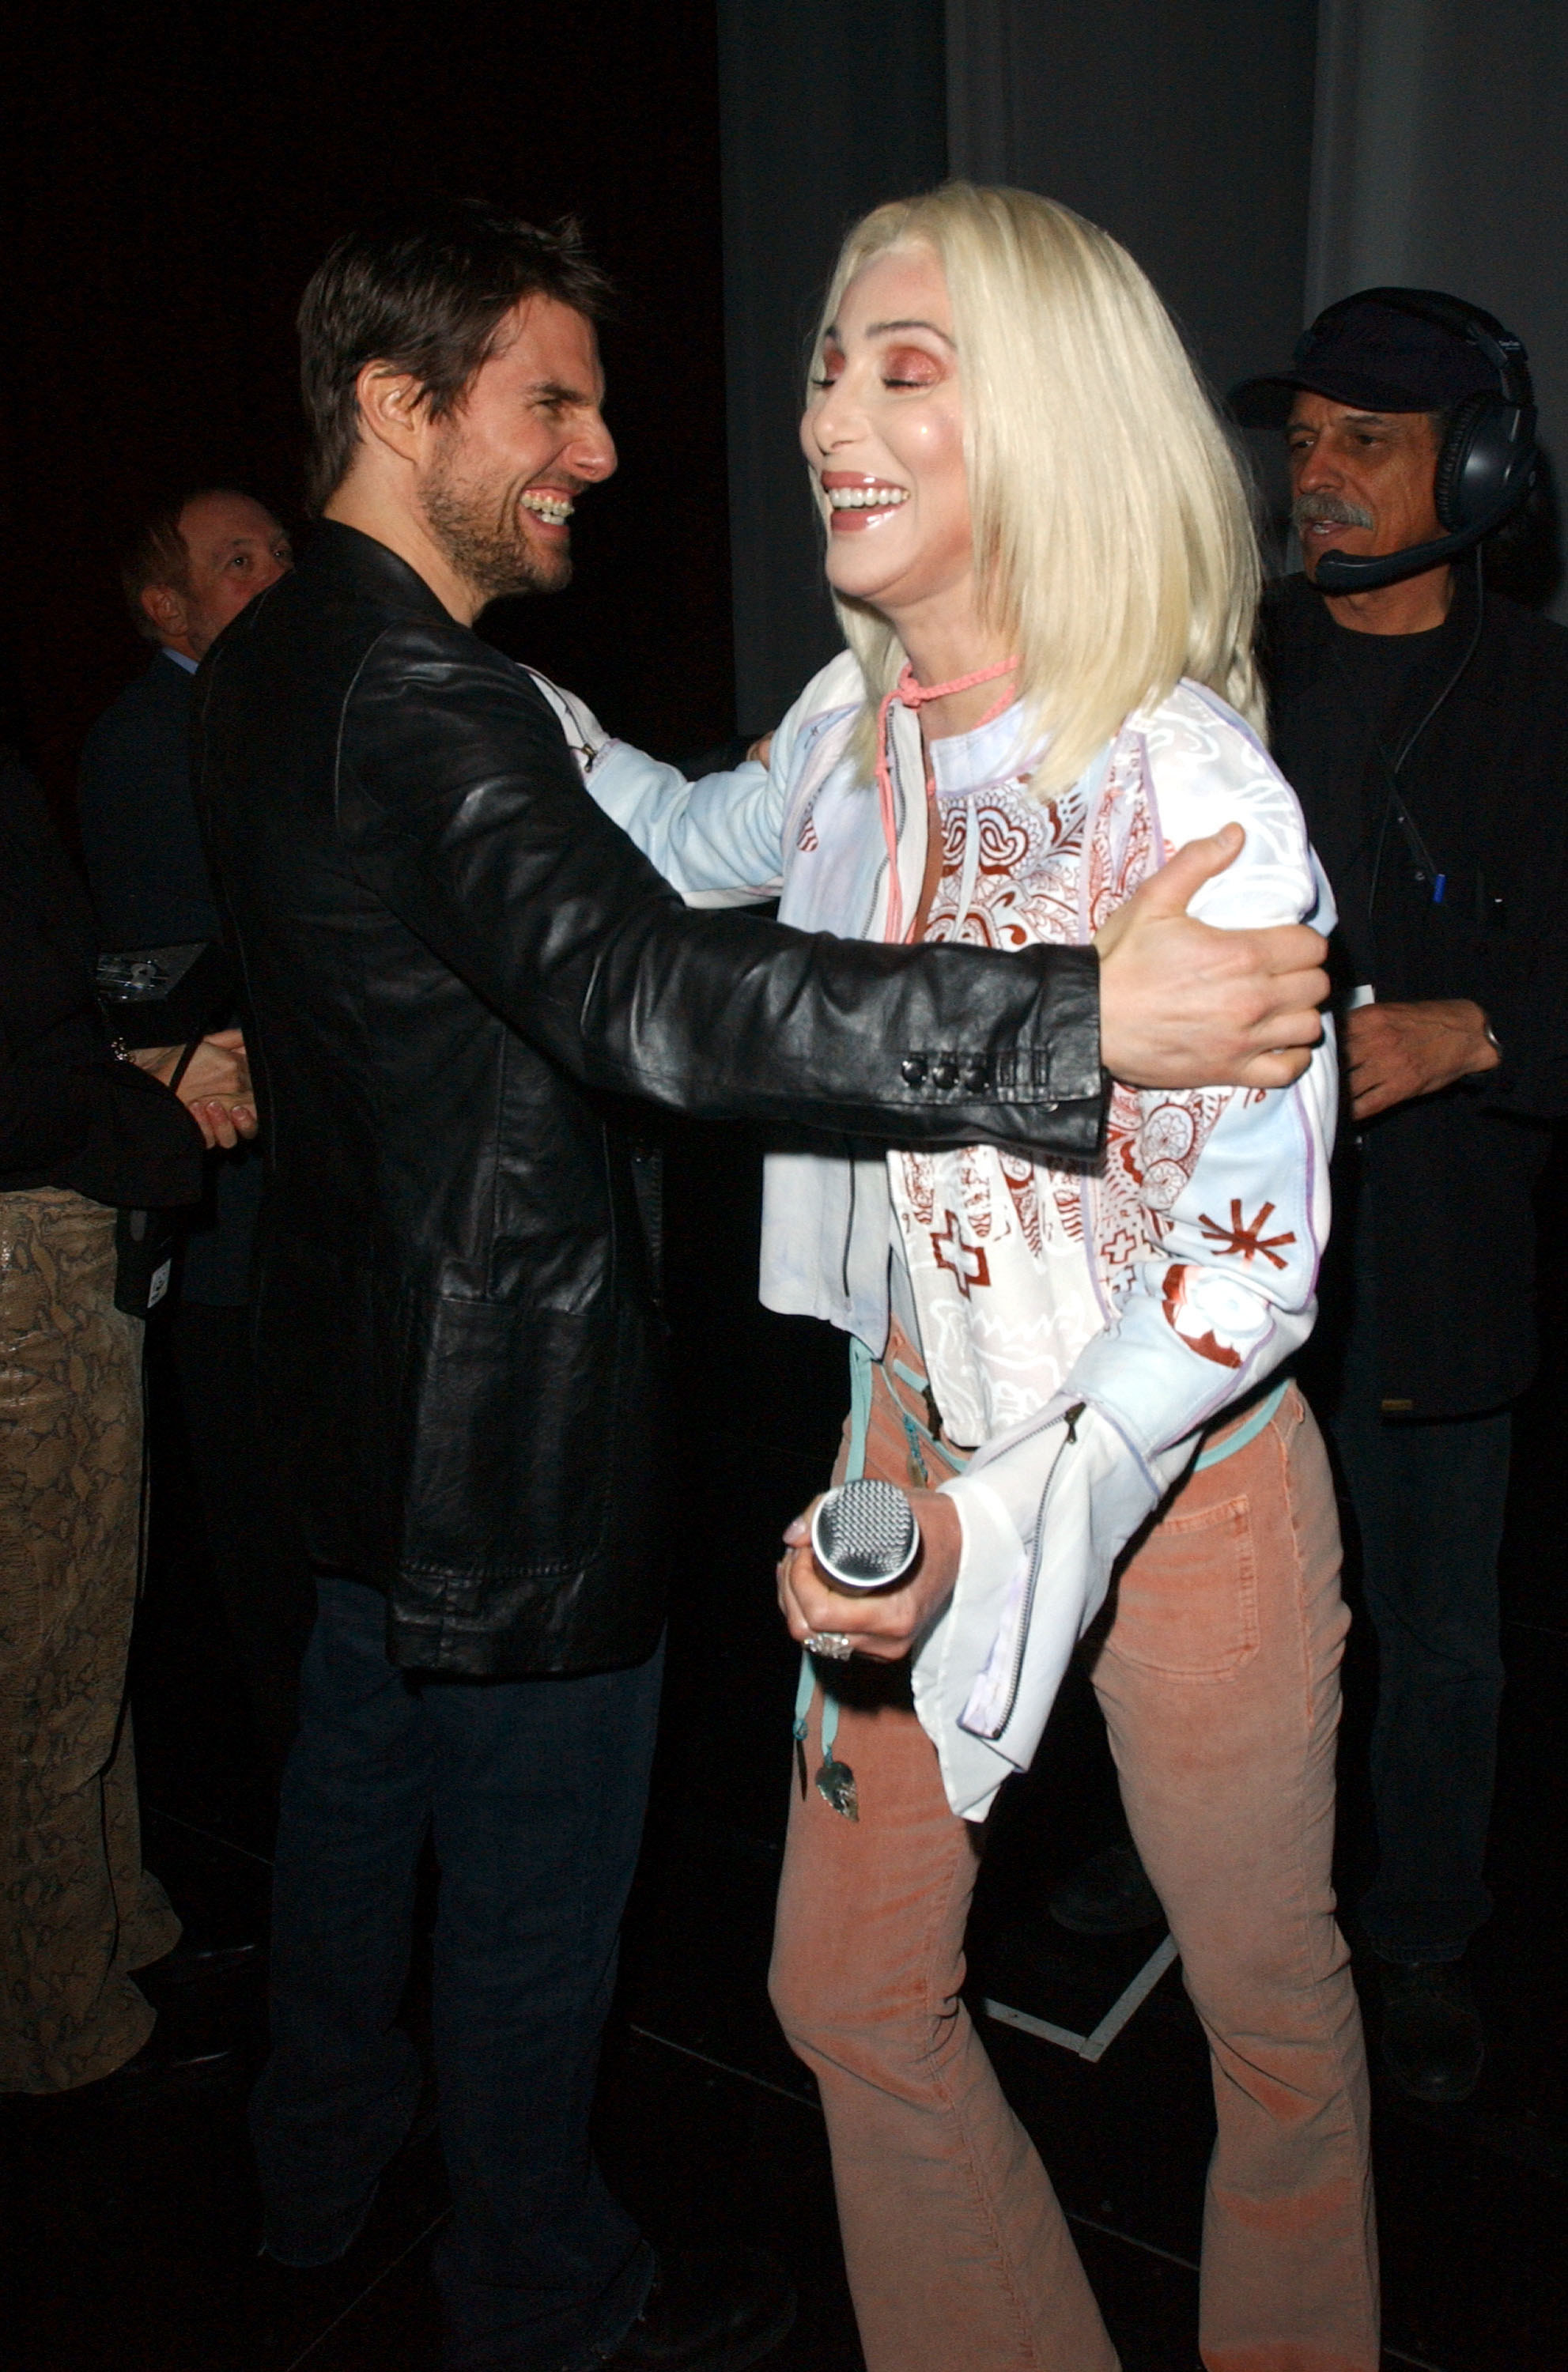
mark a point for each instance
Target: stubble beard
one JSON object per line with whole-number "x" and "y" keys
{"x": 484, "y": 537}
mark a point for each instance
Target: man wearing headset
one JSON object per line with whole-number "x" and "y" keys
{"x": 1423, "y": 721}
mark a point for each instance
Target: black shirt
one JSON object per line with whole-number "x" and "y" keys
{"x": 1449, "y": 1177}
{"x": 140, "y": 837}
{"x": 70, "y": 1115}
{"x": 149, "y": 876}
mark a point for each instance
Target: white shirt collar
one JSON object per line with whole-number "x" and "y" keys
{"x": 997, "y": 752}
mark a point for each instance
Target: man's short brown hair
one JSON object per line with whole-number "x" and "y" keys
{"x": 158, "y": 555}
{"x": 426, "y": 289}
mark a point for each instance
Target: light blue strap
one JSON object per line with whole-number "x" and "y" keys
{"x": 861, "y": 1366}
{"x": 1245, "y": 1435}
{"x": 805, "y": 1688}
{"x": 920, "y": 1436}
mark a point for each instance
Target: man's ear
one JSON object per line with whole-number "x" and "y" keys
{"x": 166, "y": 611}
{"x": 392, "y": 409}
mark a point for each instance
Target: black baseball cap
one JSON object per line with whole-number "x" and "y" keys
{"x": 1376, "y": 356}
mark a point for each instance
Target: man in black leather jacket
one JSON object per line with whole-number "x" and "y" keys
{"x": 455, "y": 966}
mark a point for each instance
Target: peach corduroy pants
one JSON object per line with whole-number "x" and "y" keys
{"x": 1217, "y": 1667}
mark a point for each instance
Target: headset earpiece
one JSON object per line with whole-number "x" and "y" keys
{"x": 1486, "y": 465}
{"x": 1473, "y": 456}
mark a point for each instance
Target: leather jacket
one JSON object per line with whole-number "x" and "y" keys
{"x": 455, "y": 968}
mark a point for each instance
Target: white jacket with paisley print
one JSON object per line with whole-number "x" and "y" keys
{"x": 1081, "y": 1328}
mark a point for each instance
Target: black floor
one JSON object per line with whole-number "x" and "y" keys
{"x": 131, "y": 2227}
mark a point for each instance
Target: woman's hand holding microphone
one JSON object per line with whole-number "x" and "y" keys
{"x": 883, "y": 1621}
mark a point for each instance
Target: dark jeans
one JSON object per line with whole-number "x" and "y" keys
{"x": 259, "y": 1562}
{"x": 1429, "y": 1500}
{"x": 533, "y": 1792}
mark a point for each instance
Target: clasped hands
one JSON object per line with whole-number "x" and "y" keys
{"x": 216, "y": 1090}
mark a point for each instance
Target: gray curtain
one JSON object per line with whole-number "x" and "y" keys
{"x": 1440, "y": 160}
{"x": 1186, "y": 131}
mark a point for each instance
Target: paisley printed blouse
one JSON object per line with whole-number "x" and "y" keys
{"x": 1140, "y": 1297}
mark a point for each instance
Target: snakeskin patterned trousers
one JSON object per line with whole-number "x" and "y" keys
{"x": 78, "y": 1911}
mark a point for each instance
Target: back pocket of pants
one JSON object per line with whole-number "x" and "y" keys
{"x": 1187, "y": 1601}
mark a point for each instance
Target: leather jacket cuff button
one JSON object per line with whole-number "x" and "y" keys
{"x": 944, "y": 1072}
{"x": 913, "y": 1068}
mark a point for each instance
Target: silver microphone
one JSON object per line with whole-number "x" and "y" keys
{"x": 865, "y": 1535}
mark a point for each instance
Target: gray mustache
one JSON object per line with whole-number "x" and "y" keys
{"x": 1327, "y": 511}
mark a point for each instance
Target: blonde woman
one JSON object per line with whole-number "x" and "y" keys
{"x": 1041, "y": 556}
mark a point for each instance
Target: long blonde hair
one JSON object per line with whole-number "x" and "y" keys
{"x": 1114, "y": 536}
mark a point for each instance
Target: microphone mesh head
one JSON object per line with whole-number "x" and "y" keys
{"x": 864, "y": 1534}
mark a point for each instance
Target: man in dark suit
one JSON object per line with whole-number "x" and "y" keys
{"x": 192, "y": 569}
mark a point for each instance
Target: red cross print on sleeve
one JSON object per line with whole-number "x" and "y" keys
{"x": 969, "y": 1263}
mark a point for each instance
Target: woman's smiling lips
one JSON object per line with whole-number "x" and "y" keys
{"x": 856, "y": 502}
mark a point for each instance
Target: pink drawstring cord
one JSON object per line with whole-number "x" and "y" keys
{"x": 915, "y": 696}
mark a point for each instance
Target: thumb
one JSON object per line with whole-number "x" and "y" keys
{"x": 230, "y": 1040}
{"x": 1170, "y": 889}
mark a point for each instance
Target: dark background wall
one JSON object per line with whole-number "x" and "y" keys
{"x": 179, "y": 171}
{"x": 176, "y": 172}
{"x": 828, "y": 110}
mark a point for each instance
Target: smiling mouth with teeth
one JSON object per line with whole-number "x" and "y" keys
{"x": 866, "y": 498}
{"x": 855, "y": 502}
{"x": 547, "y": 504}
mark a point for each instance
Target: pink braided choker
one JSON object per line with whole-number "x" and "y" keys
{"x": 915, "y": 696}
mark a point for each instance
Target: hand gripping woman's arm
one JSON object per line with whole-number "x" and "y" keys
{"x": 462, "y": 809}
{"x": 1181, "y": 1004}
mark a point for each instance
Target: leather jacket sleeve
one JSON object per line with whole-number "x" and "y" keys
{"x": 460, "y": 808}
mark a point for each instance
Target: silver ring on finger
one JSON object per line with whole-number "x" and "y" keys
{"x": 836, "y": 1644}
